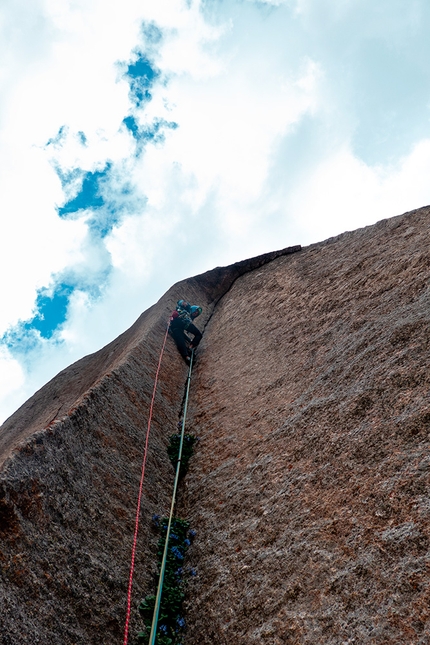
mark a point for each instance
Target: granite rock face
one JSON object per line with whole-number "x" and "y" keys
{"x": 70, "y": 461}
{"x": 309, "y": 489}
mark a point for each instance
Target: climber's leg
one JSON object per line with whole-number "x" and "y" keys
{"x": 181, "y": 342}
{"x": 192, "y": 329}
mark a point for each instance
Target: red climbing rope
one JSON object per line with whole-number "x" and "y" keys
{"x": 139, "y": 498}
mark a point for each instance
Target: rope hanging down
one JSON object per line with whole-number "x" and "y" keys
{"x": 172, "y": 508}
{"x": 139, "y": 498}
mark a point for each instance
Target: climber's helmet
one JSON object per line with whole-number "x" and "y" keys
{"x": 195, "y": 311}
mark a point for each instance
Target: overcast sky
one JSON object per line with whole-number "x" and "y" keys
{"x": 145, "y": 142}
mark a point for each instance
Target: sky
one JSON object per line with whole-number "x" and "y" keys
{"x": 145, "y": 142}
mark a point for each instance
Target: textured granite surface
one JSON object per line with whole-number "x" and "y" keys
{"x": 310, "y": 488}
{"x": 70, "y": 469}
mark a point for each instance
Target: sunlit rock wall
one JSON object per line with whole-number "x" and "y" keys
{"x": 310, "y": 486}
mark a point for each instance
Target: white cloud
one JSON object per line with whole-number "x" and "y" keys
{"x": 12, "y": 384}
{"x": 34, "y": 242}
{"x": 268, "y": 97}
{"x": 343, "y": 193}
{"x": 11, "y": 374}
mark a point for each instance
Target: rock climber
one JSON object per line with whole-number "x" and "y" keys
{"x": 181, "y": 321}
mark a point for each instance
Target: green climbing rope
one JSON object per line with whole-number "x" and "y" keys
{"x": 153, "y": 633}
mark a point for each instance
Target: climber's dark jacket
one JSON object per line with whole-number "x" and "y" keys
{"x": 182, "y": 321}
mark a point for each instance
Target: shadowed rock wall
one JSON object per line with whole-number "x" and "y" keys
{"x": 310, "y": 487}
{"x": 70, "y": 469}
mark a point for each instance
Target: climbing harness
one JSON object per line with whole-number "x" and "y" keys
{"x": 139, "y": 498}
{"x": 153, "y": 633}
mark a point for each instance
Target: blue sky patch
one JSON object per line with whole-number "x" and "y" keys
{"x": 105, "y": 195}
{"x": 51, "y": 310}
{"x": 132, "y": 125}
{"x": 82, "y": 138}
{"x": 153, "y": 133}
{"x": 89, "y": 196}
{"x": 141, "y": 75}
{"x": 59, "y": 137}
{"x": 391, "y": 95}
